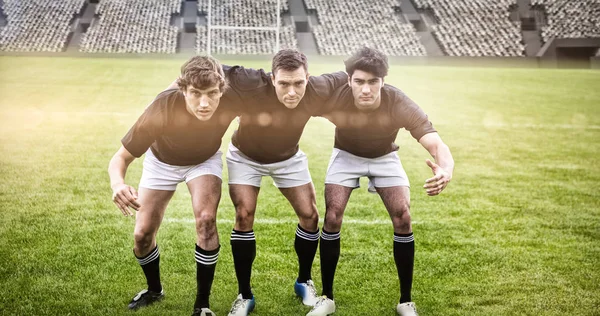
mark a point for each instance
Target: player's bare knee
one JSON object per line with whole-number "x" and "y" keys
{"x": 401, "y": 209}
{"x": 244, "y": 218}
{"x": 309, "y": 221}
{"x": 402, "y": 226}
{"x": 333, "y": 221}
{"x": 143, "y": 241}
{"x": 335, "y": 206}
{"x": 310, "y": 215}
{"x": 401, "y": 219}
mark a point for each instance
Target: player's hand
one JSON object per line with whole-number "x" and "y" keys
{"x": 125, "y": 197}
{"x": 439, "y": 181}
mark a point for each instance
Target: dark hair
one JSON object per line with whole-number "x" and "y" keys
{"x": 202, "y": 72}
{"x": 369, "y": 60}
{"x": 289, "y": 60}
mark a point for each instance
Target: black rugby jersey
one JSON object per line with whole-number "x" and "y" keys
{"x": 175, "y": 136}
{"x": 268, "y": 131}
{"x": 372, "y": 134}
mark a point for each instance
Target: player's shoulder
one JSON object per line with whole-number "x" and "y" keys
{"x": 393, "y": 90}
{"x": 162, "y": 101}
{"x": 169, "y": 93}
{"x": 395, "y": 95}
{"x": 326, "y": 85}
{"x": 328, "y": 78}
{"x": 246, "y": 79}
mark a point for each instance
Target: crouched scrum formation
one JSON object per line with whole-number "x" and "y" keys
{"x": 180, "y": 133}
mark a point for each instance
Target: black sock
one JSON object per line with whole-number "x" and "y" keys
{"x": 206, "y": 261}
{"x": 306, "y": 245}
{"x": 243, "y": 248}
{"x": 151, "y": 266}
{"x": 404, "y": 256}
{"x": 330, "y": 253}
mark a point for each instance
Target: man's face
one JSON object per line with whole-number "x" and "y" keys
{"x": 290, "y": 86}
{"x": 366, "y": 89}
{"x": 202, "y": 103}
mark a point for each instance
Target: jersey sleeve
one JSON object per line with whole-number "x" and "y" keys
{"x": 146, "y": 129}
{"x": 321, "y": 89}
{"x": 407, "y": 114}
{"x": 244, "y": 83}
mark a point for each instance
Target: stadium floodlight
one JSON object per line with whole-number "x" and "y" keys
{"x": 210, "y": 27}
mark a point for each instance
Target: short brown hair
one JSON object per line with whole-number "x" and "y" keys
{"x": 289, "y": 60}
{"x": 369, "y": 60}
{"x": 202, "y": 72}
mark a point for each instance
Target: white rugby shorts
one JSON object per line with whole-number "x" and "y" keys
{"x": 289, "y": 173}
{"x": 158, "y": 175}
{"x": 346, "y": 169}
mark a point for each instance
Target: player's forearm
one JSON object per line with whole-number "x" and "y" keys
{"x": 117, "y": 168}
{"x": 443, "y": 157}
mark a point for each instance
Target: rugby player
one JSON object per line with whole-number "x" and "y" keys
{"x": 276, "y": 107}
{"x": 180, "y": 132}
{"x": 368, "y": 115}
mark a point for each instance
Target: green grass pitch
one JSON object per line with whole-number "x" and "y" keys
{"x": 517, "y": 232}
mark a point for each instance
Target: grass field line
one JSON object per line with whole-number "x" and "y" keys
{"x": 275, "y": 221}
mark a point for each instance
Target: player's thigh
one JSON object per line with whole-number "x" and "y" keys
{"x": 244, "y": 197}
{"x": 204, "y": 183}
{"x": 396, "y": 200}
{"x": 336, "y": 197}
{"x": 153, "y": 204}
{"x": 302, "y": 198}
{"x": 205, "y": 191}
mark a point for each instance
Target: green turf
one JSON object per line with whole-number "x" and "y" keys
{"x": 517, "y": 232}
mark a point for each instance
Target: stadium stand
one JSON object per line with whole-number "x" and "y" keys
{"x": 570, "y": 19}
{"x": 396, "y": 27}
{"x": 346, "y": 25}
{"x": 245, "y": 13}
{"x": 133, "y": 26}
{"x": 37, "y": 26}
{"x": 475, "y": 27}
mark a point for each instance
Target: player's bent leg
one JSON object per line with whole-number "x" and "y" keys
{"x": 336, "y": 199}
{"x": 243, "y": 244}
{"x": 206, "y": 192}
{"x": 397, "y": 201}
{"x": 148, "y": 218}
{"x": 303, "y": 200}
{"x": 244, "y": 199}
